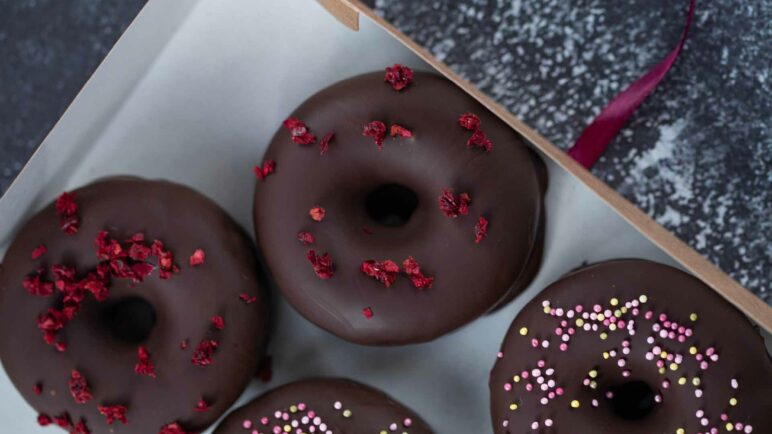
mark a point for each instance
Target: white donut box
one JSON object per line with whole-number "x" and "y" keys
{"x": 193, "y": 92}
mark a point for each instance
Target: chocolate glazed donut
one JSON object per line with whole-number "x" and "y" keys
{"x": 131, "y": 306}
{"x": 323, "y": 406}
{"x": 631, "y": 346}
{"x": 393, "y": 214}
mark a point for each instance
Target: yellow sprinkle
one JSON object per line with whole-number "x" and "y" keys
{"x": 346, "y": 413}
{"x": 682, "y": 381}
{"x": 624, "y": 309}
{"x": 643, "y": 299}
{"x": 673, "y": 366}
{"x": 605, "y": 355}
{"x": 618, "y": 313}
{"x": 513, "y": 406}
{"x": 579, "y": 322}
{"x": 603, "y": 336}
{"x": 662, "y": 371}
{"x": 293, "y": 408}
{"x": 546, "y": 309}
{"x": 733, "y": 401}
{"x": 383, "y": 431}
{"x": 593, "y": 384}
{"x": 696, "y": 381}
{"x": 612, "y": 327}
{"x": 729, "y": 427}
{"x": 614, "y": 302}
{"x": 516, "y": 378}
{"x": 574, "y": 404}
{"x": 693, "y": 350}
{"x": 593, "y": 373}
{"x": 287, "y": 428}
{"x": 680, "y": 431}
{"x": 693, "y": 317}
{"x": 601, "y": 317}
{"x": 663, "y": 355}
{"x": 523, "y": 331}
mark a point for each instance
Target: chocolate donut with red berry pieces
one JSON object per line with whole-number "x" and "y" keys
{"x": 394, "y": 210}
{"x": 323, "y": 406}
{"x": 131, "y": 306}
{"x": 631, "y": 346}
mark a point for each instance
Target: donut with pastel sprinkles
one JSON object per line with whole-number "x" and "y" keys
{"x": 323, "y": 406}
{"x": 631, "y": 346}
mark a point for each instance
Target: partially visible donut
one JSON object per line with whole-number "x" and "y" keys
{"x": 394, "y": 212}
{"x": 635, "y": 347}
{"x": 131, "y": 306}
{"x": 323, "y": 406}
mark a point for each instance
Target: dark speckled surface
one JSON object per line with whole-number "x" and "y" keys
{"x": 48, "y": 49}
{"x": 697, "y": 156}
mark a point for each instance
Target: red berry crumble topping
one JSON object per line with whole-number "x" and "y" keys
{"x": 398, "y": 76}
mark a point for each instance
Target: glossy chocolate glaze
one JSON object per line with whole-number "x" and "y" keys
{"x": 184, "y": 305}
{"x": 684, "y": 300}
{"x": 506, "y": 185}
{"x": 369, "y": 410}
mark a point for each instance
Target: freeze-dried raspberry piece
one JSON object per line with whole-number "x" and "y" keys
{"x": 202, "y": 356}
{"x": 454, "y": 205}
{"x": 39, "y": 251}
{"x": 114, "y": 413}
{"x": 479, "y": 140}
{"x": 324, "y": 144}
{"x": 269, "y": 166}
{"x": 299, "y": 131}
{"x": 67, "y": 210}
{"x": 376, "y": 130}
{"x": 323, "y": 265}
{"x": 400, "y": 131}
{"x": 480, "y": 229}
{"x": 144, "y": 366}
{"x": 78, "y": 386}
{"x": 306, "y": 238}
{"x": 172, "y": 428}
{"x": 35, "y": 285}
{"x": 197, "y": 258}
{"x": 383, "y": 271}
{"x": 398, "y": 76}
{"x": 317, "y": 213}
{"x": 413, "y": 270}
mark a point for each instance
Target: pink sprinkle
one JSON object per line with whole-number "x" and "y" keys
{"x": 407, "y": 421}
{"x": 507, "y": 387}
{"x": 499, "y": 355}
{"x": 563, "y": 347}
{"x": 247, "y": 424}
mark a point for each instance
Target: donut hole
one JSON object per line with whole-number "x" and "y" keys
{"x": 391, "y": 204}
{"x": 130, "y": 320}
{"x": 633, "y": 400}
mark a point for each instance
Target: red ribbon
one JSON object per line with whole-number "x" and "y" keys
{"x": 596, "y": 137}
